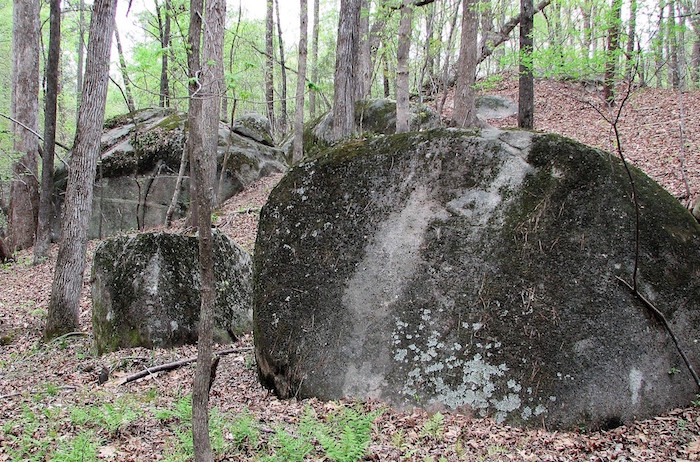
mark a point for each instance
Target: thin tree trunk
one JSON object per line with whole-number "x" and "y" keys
{"x": 43, "y": 238}
{"x": 24, "y": 188}
{"x": 672, "y": 42}
{"x": 695, "y": 59}
{"x": 164, "y": 99}
{"x": 64, "y": 310}
{"x": 587, "y": 32}
{"x": 448, "y": 55}
{"x": 283, "y": 71}
{"x": 385, "y": 74}
{"x": 526, "y": 84}
{"x": 81, "y": 56}
{"x": 178, "y": 184}
{"x": 427, "y": 52}
{"x": 231, "y": 54}
{"x": 612, "y": 53}
{"x": 658, "y": 45}
{"x": 464, "y": 114}
{"x": 125, "y": 74}
{"x": 631, "y": 40}
{"x": 298, "y": 152}
{"x": 402, "y": 77}
{"x": 269, "y": 64}
{"x": 205, "y": 173}
{"x": 364, "y": 59}
{"x": 314, "y": 60}
{"x": 194, "y": 140}
{"x": 345, "y": 72}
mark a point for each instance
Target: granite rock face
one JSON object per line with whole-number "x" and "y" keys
{"x": 476, "y": 271}
{"x": 146, "y": 287}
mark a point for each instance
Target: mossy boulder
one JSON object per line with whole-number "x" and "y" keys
{"x": 476, "y": 272}
{"x": 375, "y": 116}
{"x": 256, "y": 127}
{"x": 139, "y": 165}
{"x": 146, "y": 291}
{"x": 495, "y": 107}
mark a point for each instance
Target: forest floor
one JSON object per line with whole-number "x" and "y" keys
{"x": 53, "y": 408}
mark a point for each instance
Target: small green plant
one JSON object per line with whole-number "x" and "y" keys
{"x": 682, "y": 424}
{"x": 244, "y": 430}
{"x": 82, "y": 448}
{"x": 345, "y": 435}
{"x": 696, "y": 402}
{"x": 434, "y": 427}
{"x": 288, "y": 448}
{"x": 112, "y": 417}
{"x": 673, "y": 371}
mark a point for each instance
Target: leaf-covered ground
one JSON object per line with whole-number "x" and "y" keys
{"x": 52, "y": 407}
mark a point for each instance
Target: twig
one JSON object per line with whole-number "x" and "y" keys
{"x": 70, "y": 334}
{"x": 31, "y": 131}
{"x": 662, "y": 319}
{"x": 178, "y": 364}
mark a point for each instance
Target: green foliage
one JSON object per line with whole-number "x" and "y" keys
{"x": 288, "y": 448}
{"x": 112, "y": 417}
{"x": 82, "y": 448}
{"x": 434, "y": 427}
{"x": 345, "y": 434}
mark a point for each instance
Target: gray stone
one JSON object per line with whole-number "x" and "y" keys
{"x": 139, "y": 165}
{"x": 256, "y": 127}
{"x": 495, "y": 107}
{"x": 479, "y": 273}
{"x": 145, "y": 291}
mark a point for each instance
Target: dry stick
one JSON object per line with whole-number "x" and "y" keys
{"x": 70, "y": 334}
{"x": 177, "y": 364}
{"x": 661, "y": 318}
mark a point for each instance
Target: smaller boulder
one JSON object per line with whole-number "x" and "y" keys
{"x": 495, "y": 107}
{"x": 256, "y": 127}
{"x": 146, "y": 291}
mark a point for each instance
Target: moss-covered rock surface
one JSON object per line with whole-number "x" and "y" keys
{"x": 145, "y": 291}
{"x": 476, "y": 272}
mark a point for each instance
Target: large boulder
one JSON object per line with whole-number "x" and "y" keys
{"x": 139, "y": 165}
{"x": 145, "y": 291}
{"x": 477, "y": 271}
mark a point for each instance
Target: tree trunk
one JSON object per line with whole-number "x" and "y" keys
{"x": 658, "y": 45}
{"x": 194, "y": 140}
{"x": 446, "y": 67}
{"x": 345, "y": 62}
{"x": 43, "y": 233}
{"x": 672, "y": 41}
{"x": 164, "y": 98}
{"x": 24, "y": 188}
{"x": 427, "y": 53}
{"x": 631, "y": 39}
{"x": 464, "y": 114}
{"x": 680, "y": 49}
{"x": 587, "y": 32}
{"x": 301, "y": 84}
{"x": 81, "y": 57}
{"x": 364, "y": 59}
{"x": 269, "y": 64}
{"x": 205, "y": 172}
{"x": 231, "y": 54}
{"x": 314, "y": 61}
{"x": 125, "y": 75}
{"x": 64, "y": 309}
{"x": 695, "y": 59}
{"x": 526, "y": 84}
{"x": 283, "y": 71}
{"x": 612, "y": 53}
{"x": 5, "y": 253}
{"x": 402, "y": 77}
{"x": 385, "y": 73}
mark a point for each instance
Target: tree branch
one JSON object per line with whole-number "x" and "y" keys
{"x": 31, "y": 131}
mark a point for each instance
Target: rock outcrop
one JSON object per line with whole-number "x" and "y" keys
{"x": 145, "y": 291}
{"x": 476, "y": 271}
{"x": 139, "y": 165}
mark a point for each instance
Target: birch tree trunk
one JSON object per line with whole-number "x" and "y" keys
{"x": 204, "y": 155}
{"x": 64, "y": 309}
{"x": 402, "y": 76}
{"x": 24, "y": 187}
{"x": 301, "y": 84}
{"x": 43, "y": 232}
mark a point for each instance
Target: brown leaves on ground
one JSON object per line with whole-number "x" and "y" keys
{"x": 52, "y": 380}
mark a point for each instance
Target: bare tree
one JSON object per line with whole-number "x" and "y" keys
{"x": 314, "y": 60}
{"x": 125, "y": 74}
{"x": 24, "y": 188}
{"x": 612, "y": 52}
{"x": 63, "y": 312}
{"x": 464, "y": 114}
{"x": 204, "y": 158}
{"x": 283, "y": 76}
{"x": 301, "y": 83}
{"x": 269, "y": 64}
{"x": 344, "y": 94}
{"x": 526, "y": 84}
{"x": 402, "y": 77}
{"x": 163, "y": 15}
{"x": 43, "y": 233}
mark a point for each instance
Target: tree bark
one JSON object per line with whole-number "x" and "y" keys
{"x": 194, "y": 35}
{"x": 344, "y": 93}
{"x": 81, "y": 57}
{"x": 526, "y": 84}
{"x": 24, "y": 187}
{"x": 658, "y": 45}
{"x": 269, "y": 64}
{"x": 43, "y": 238}
{"x": 164, "y": 98}
{"x": 314, "y": 60}
{"x": 298, "y": 152}
{"x": 402, "y": 77}
{"x": 464, "y": 114}
{"x": 448, "y": 55}
{"x": 125, "y": 75}
{"x": 364, "y": 59}
{"x": 612, "y": 53}
{"x": 64, "y": 310}
{"x": 205, "y": 172}
{"x": 631, "y": 40}
{"x": 283, "y": 76}
{"x": 672, "y": 42}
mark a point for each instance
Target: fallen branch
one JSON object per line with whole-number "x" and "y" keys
{"x": 177, "y": 364}
{"x": 662, "y": 319}
{"x": 70, "y": 334}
